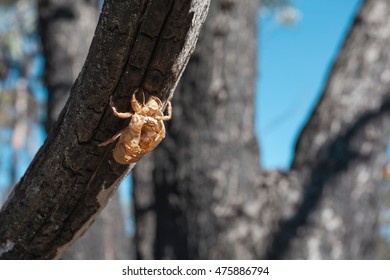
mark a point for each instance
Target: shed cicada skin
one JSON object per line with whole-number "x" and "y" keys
{"x": 144, "y": 132}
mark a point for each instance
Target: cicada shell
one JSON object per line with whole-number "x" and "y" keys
{"x": 144, "y": 132}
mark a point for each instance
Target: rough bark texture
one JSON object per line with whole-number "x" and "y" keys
{"x": 66, "y": 29}
{"x": 341, "y": 153}
{"x": 207, "y": 197}
{"x": 137, "y": 44}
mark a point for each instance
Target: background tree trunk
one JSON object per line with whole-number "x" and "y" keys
{"x": 66, "y": 29}
{"x": 341, "y": 153}
{"x": 207, "y": 197}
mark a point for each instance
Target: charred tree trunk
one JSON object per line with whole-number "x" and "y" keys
{"x": 66, "y": 29}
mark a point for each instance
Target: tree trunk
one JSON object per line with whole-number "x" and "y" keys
{"x": 137, "y": 44}
{"x": 341, "y": 153}
{"x": 58, "y": 21}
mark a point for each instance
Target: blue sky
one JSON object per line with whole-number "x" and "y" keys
{"x": 293, "y": 63}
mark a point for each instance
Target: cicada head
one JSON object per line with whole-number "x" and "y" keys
{"x": 153, "y": 107}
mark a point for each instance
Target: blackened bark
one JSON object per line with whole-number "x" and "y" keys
{"x": 137, "y": 44}
{"x": 66, "y": 29}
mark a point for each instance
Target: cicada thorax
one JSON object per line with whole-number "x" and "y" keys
{"x": 151, "y": 135}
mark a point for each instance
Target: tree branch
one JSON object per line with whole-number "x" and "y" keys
{"x": 341, "y": 152}
{"x": 137, "y": 44}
